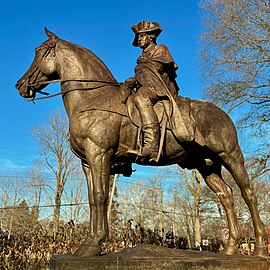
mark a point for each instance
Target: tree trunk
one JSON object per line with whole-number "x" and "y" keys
{"x": 56, "y": 212}
{"x": 111, "y": 197}
{"x": 197, "y": 229}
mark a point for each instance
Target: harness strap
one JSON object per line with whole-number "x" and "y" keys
{"x": 70, "y": 80}
{"x": 74, "y": 80}
{"x": 162, "y": 135}
{"x": 48, "y": 96}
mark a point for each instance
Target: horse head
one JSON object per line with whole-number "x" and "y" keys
{"x": 42, "y": 70}
{"x": 63, "y": 61}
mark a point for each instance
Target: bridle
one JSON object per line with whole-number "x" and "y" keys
{"x": 47, "y": 95}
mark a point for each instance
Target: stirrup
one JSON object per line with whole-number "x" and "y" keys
{"x": 151, "y": 156}
{"x": 133, "y": 152}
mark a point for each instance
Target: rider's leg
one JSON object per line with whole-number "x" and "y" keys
{"x": 150, "y": 129}
{"x": 144, "y": 101}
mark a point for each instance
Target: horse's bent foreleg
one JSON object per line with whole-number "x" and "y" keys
{"x": 97, "y": 175}
{"x": 235, "y": 164}
{"x": 223, "y": 191}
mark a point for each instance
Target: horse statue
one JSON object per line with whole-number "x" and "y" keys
{"x": 101, "y": 132}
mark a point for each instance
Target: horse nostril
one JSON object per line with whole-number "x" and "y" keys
{"x": 17, "y": 85}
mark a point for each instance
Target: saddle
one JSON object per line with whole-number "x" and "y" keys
{"x": 174, "y": 115}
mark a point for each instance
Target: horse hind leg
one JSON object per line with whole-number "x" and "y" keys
{"x": 234, "y": 162}
{"x": 213, "y": 179}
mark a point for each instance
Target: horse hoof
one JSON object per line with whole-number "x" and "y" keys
{"x": 88, "y": 251}
{"x": 230, "y": 250}
{"x": 261, "y": 252}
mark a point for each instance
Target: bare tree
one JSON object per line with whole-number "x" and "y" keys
{"x": 155, "y": 203}
{"x": 15, "y": 213}
{"x": 194, "y": 185}
{"x": 10, "y": 196}
{"x": 133, "y": 199}
{"x": 186, "y": 202}
{"x": 34, "y": 183}
{"x": 236, "y": 63}
{"x": 113, "y": 180}
{"x": 74, "y": 197}
{"x": 53, "y": 139}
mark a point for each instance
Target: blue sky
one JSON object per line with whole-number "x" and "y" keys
{"x": 103, "y": 27}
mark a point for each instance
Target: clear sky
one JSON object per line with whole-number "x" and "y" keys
{"x": 102, "y": 26}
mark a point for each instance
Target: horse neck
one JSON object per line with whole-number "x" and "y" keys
{"x": 78, "y": 63}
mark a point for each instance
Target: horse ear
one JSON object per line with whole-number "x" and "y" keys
{"x": 50, "y": 34}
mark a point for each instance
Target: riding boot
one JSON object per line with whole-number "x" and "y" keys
{"x": 150, "y": 128}
{"x": 150, "y": 141}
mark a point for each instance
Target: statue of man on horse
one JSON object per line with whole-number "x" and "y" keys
{"x": 154, "y": 80}
{"x": 102, "y": 130}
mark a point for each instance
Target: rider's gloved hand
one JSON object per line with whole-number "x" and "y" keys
{"x": 131, "y": 82}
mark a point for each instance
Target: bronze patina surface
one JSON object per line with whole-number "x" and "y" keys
{"x": 104, "y": 129}
{"x": 159, "y": 258}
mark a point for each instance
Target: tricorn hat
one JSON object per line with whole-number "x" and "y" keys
{"x": 145, "y": 27}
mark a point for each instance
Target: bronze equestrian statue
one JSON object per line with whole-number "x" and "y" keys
{"x": 103, "y": 129}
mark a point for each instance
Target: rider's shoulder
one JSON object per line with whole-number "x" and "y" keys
{"x": 161, "y": 47}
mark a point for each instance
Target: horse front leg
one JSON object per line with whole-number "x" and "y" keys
{"x": 89, "y": 247}
{"x": 97, "y": 175}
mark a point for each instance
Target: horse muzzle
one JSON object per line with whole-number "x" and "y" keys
{"x": 24, "y": 90}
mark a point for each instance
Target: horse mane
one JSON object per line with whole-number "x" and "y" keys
{"x": 88, "y": 56}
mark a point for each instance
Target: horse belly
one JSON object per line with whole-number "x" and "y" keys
{"x": 173, "y": 152}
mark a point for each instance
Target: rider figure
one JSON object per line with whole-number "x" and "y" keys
{"x": 154, "y": 78}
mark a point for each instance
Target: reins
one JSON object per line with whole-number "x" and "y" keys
{"x": 70, "y": 80}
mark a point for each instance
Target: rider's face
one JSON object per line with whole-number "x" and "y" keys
{"x": 144, "y": 40}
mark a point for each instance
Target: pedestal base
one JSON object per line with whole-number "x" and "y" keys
{"x": 157, "y": 258}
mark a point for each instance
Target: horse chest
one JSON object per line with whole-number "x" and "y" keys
{"x": 100, "y": 127}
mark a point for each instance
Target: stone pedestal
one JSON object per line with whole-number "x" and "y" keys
{"x": 157, "y": 258}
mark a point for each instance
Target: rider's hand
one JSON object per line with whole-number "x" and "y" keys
{"x": 131, "y": 82}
